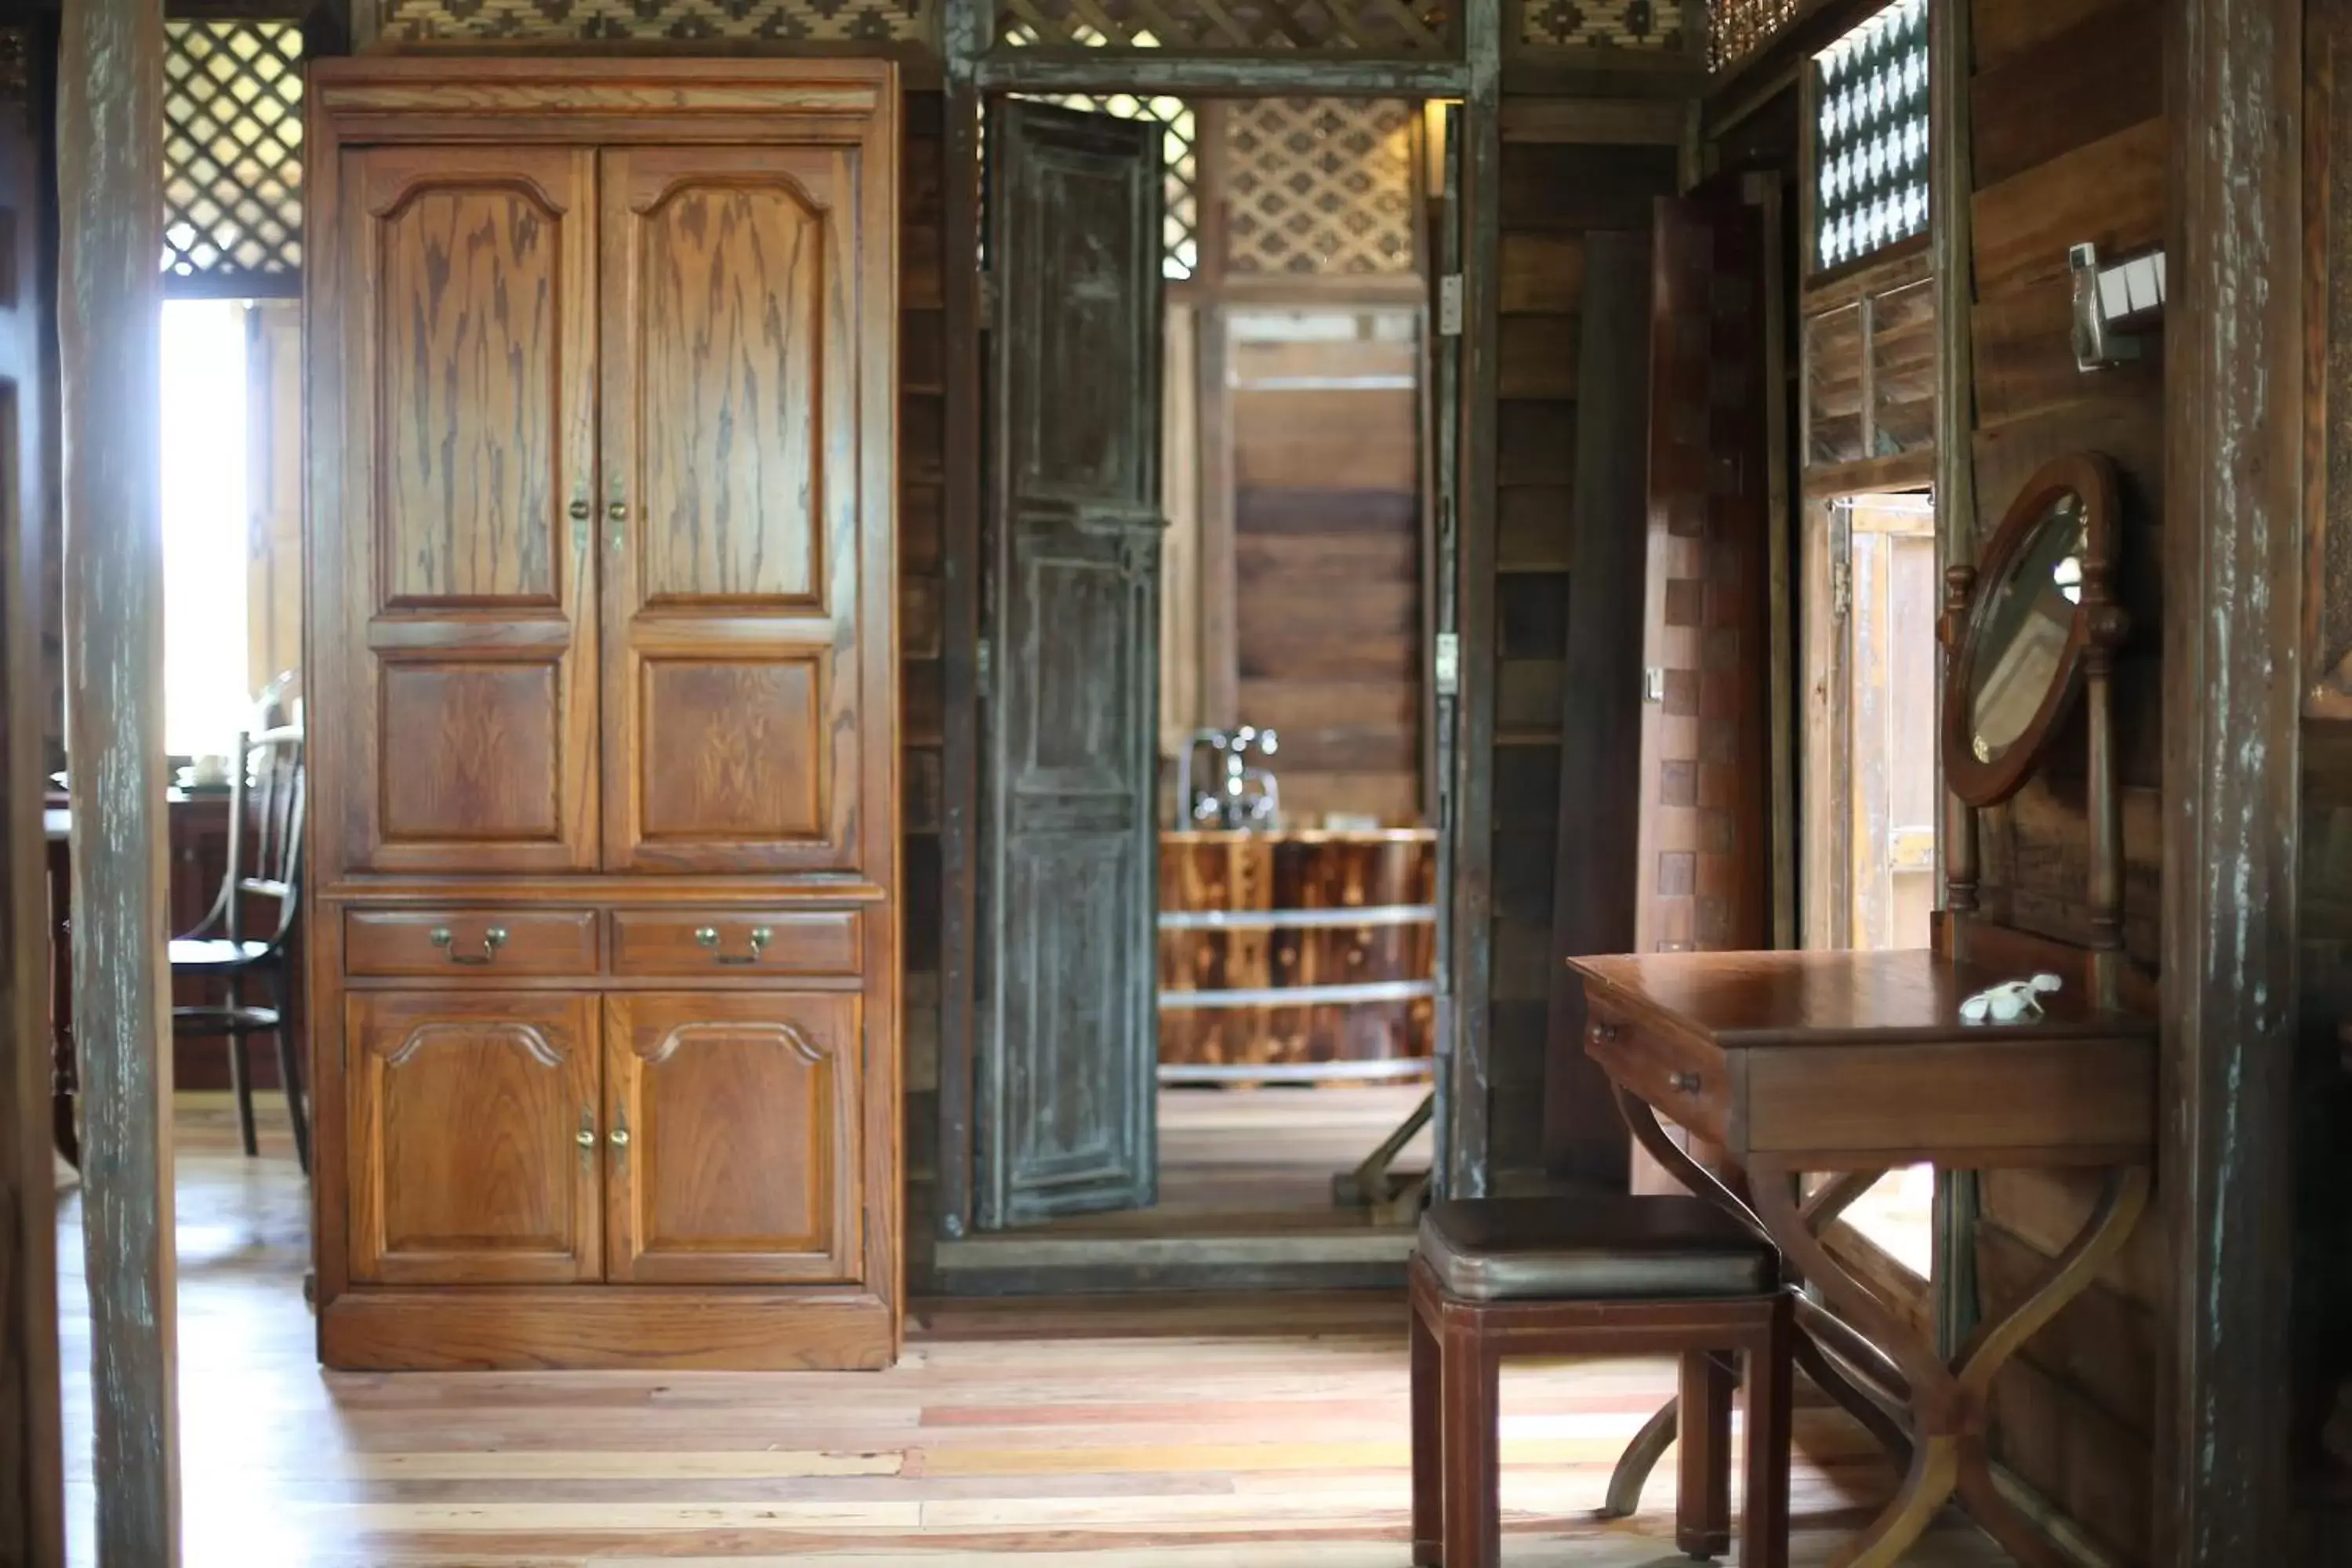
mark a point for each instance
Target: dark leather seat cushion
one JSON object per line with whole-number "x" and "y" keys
{"x": 1593, "y": 1246}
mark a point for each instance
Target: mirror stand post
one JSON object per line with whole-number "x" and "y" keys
{"x": 2106, "y": 625}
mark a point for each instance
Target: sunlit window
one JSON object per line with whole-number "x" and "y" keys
{"x": 205, "y": 695}
{"x": 1870, "y": 161}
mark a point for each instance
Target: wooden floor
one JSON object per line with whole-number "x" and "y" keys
{"x": 1189, "y": 1432}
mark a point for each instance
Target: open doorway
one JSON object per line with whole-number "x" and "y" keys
{"x": 1210, "y": 882}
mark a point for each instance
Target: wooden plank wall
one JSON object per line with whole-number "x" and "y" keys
{"x": 1553, "y": 195}
{"x": 2061, "y": 154}
{"x": 923, "y": 461}
{"x": 1327, "y": 566}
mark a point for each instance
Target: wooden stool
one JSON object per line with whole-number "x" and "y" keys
{"x": 1597, "y": 1275}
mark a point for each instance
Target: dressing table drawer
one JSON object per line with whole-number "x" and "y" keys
{"x": 739, "y": 943}
{"x": 476, "y": 944}
{"x": 1684, "y": 1083}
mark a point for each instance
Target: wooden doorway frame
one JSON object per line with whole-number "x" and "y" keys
{"x": 972, "y": 69}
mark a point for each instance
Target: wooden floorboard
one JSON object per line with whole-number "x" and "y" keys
{"x": 1192, "y": 1432}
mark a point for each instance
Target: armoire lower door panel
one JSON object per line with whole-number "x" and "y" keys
{"x": 734, "y": 1149}
{"x": 473, "y": 1147}
{"x": 736, "y": 286}
{"x": 463, "y": 289}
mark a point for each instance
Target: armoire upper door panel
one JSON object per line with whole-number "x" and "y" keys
{"x": 466, "y": 289}
{"x": 731, "y": 511}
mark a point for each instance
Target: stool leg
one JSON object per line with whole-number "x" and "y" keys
{"x": 1473, "y": 1504}
{"x": 1428, "y": 1448}
{"x": 1703, "y": 1501}
{"x": 1766, "y": 1404}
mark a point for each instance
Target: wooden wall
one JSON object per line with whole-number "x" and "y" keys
{"x": 1553, "y": 195}
{"x": 1327, "y": 562}
{"x": 2063, "y": 154}
{"x": 922, "y": 461}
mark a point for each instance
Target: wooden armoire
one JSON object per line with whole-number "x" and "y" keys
{"x": 602, "y": 702}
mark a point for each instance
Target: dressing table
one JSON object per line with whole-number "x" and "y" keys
{"x": 1845, "y": 1065}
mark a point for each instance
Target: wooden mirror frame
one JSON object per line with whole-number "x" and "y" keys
{"x": 2099, "y": 626}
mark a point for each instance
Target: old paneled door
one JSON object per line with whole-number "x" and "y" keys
{"x": 1705, "y": 854}
{"x": 1895, "y": 594}
{"x": 1068, "y": 1033}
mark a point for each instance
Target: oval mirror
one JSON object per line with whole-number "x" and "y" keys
{"x": 2020, "y": 662}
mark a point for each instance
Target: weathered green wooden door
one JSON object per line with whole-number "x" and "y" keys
{"x": 1069, "y": 1038}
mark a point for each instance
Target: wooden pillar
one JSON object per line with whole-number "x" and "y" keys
{"x": 31, "y": 1459}
{"x": 2232, "y": 571}
{"x": 110, "y": 148}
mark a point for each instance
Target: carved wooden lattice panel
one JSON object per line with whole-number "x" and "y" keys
{"x": 1226, "y": 26}
{"x": 1319, "y": 185}
{"x": 1737, "y": 29}
{"x": 1602, "y": 24}
{"x": 233, "y": 158}
{"x": 1180, "y": 203}
{"x": 756, "y": 21}
{"x": 1870, "y": 149}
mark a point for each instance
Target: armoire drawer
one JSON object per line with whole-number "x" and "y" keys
{"x": 484, "y": 943}
{"x": 703, "y": 943}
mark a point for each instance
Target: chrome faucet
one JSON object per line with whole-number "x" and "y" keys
{"x": 1241, "y": 796}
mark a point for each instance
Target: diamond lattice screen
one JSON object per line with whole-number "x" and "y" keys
{"x": 1870, "y": 158}
{"x": 1602, "y": 24}
{"x": 233, "y": 158}
{"x": 1212, "y": 27}
{"x": 665, "y": 21}
{"x": 1737, "y": 29}
{"x": 1319, "y": 185}
{"x": 1180, "y": 207}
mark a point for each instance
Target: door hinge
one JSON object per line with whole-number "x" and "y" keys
{"x": 1841, "y": 588}
{"x": 979, "y": 672}
{"x": 1654, "y": 684}
{"x": 1449, "y": 305}
{"x": 1446, "y": 666}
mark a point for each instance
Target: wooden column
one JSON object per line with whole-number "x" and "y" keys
{"x": 1470, "y": 945}
{"x": 2233, "y": 538}
{"x": 31, "y": 1461}
{"x": 110, "y": 148}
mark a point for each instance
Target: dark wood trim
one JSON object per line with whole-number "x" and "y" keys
{"x": 1147, "y": 71}
{"x": 1871, "y": 476}
{"x": 32, "y": 1488}
{"x": 1770, "y": 195}
{"x": 2233, "y": 570}
{"x": 1951, "y": 230}
{"x": 110, "y": 173}
{"x": 964, "y": 27}
{"x": 1905, "y": 261}
{"x": 1595, "y": 122}
{"x": 1471, "y": 942}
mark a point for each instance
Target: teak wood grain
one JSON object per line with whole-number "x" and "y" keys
{"x": 473, "y": 1140}
{"x": 528, "y": 941}
{"x": 731, "y": 1139}
{"x": 604, "y": 622}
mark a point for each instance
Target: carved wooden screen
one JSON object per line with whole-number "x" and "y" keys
{"x": 776, "y": 22}
{"x": 1319, "y": 185}
{"x": 1393, "y": 27}
{"x": 1650, "y": 25}
{"x": 1870, "y": 137}
{"x": 1737, "y": 29}
{"x": 233, "y": 158}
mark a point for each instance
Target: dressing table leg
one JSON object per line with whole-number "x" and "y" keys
{"x": 1640, "y": 1457}
{"x": 1949, "y": 1403}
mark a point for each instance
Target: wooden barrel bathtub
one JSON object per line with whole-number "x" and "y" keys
{"x": 1306, "y": 956}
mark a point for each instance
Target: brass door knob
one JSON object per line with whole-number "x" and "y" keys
{"x": 1684, "y": 1082}
{"x": 620, "y": 1137}
{"x": 586, "y": 1137}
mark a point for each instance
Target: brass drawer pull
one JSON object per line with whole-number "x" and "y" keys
{"x": 492, "y": 940}
{"x": 586, "y": 1136}
{"x": 1604, "y": 1034}
{"x": 761, "y": 937}
{"x": 1684, "y": 1082}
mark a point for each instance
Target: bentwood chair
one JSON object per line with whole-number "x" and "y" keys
{"x": 1598, "y": 1275}
{"x": 265, "y": 867}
